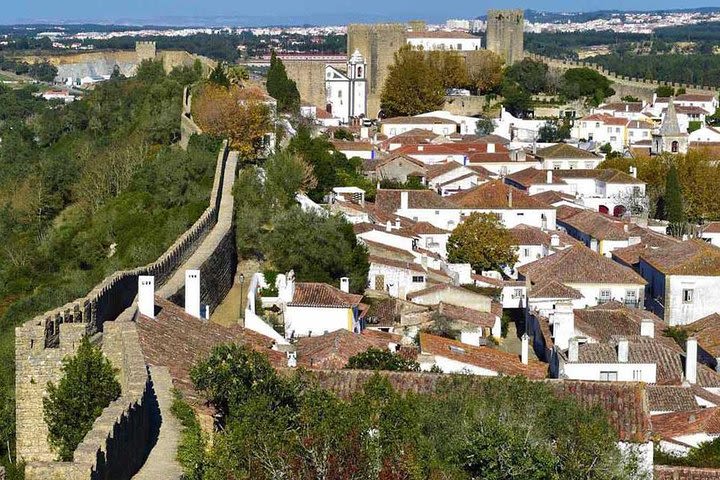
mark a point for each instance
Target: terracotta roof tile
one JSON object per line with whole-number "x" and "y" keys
{"x": 554, "y": 289}
{"x": 676, "y": 424}
{"x": 396, "y": 264}
{"x": 707, "y": 332}
{"x": 711, "y": 227}
{"x": 334, "y": 349}
{"x": 496, "y": 195}
{"x": 670, "y": 398}
{"x": 563, "y": 150}
{"x": 484, "y": 357}
{"x": 389, "y": 200}
{"x": 597, "y": 225}
{"x": 468, "y": 315}
{"x": 177, "y": 340}
{"x": 693, "y": 257}
{"x": 578, "y": 264}
{"x": 322, "y": 295}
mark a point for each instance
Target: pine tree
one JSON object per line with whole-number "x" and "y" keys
{"x": 218, "y": 77}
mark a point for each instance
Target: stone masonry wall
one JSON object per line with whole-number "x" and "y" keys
{"x": 119, "y": 441}
{"x": 188, "y": 127}
{"x": 42, "y": 343}
{"x": 685, "y": 473}
{"x": 505, "y": 34}
{"x": 623, "y": 85}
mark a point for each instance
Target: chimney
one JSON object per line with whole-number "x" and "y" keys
{"x": 364, "y": 133}
{"x": 146, "y": 296}
{"x": 490, "y": 148}
{"x": 691, "y": 360}
{"x": 627, "y": 107}
{"x": 510, "y": 190}
{"x": 654, "y": 100}
{"x": 421, "y": 148}
{"x": 397, "y": 223}
{"x": 554, "y": 240}
{"x": 404, "y": 200}
{"x": 549, "y": 178}
{"x": 192, "y": 293}
{"x": 633, "y": 171}
{"x": 388, "y": 226}
{"x": 647, "y": 328}
{"x": 292, "y": 359}
{"x": 623, "y": 350}
{"x": 626, "y": 228}
{"x": 524, "y": 351}
{"x": 345, "y": 284}
{"x": 573, "y": 350}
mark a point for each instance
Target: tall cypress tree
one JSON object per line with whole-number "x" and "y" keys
{"x": 673, "y": 201}
{"x": 280, "y": 87}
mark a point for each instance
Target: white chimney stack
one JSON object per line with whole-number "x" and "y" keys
{"x": 525, "y": 349}
{"x": 549, "y": 176}
{"x": 623, "y": 350}
{"x": 573, "y": 350}
{"x": 397, "y": 223}
{"x": 292, "y": 359}
{"x": 490, "y": 148}
{"x": 388, "y": 226}
{"x": 404, "y": 200}
{"x": 192, "y": 293}
{"x": 691, "y": 360}
{"x": 146, "y": 296}
{"x": 554, "y": 240}
{"x": 510, "y": 192}
{"x": 647, "y": 328}
{"x": 345, "y": 284}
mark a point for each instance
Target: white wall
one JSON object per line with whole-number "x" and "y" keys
{"x": 591, "y": 293}
{"x": 461, "y": 44}
{"x": 713, "y": 238}
{"x": 304, "y": 321}
{"x": 643, "y": 452}
{"x": 392, "y": 129}
{"x": 626, "y": 372}
{"x": 387, "y": 238}
{"x": 398, "y": 281}
{"x": 705, "y": 298}
{"x": 453, "y": 366}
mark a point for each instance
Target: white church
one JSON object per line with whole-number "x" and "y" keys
{"x": 346, "y": 92}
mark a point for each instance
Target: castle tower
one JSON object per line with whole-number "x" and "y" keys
{"x": 378, "y": 44}
{"x": 505, "y": 34}
{"x": 669, "y": 139}
{"x": 145, "y": 50}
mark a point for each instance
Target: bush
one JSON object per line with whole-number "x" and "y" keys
{"x": 192, "y": 445}
{"x": 376, "y": 359}
{"x": 88, "y": 386}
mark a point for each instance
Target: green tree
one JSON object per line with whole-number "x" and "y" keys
{"x": 281, "y": 87}
{"x": 376, "y": 359}
{"x": 483, "y": 242}
{"x": 293, "y": 244}
{"x": 484, "y": 126}
{"x": 529, "y": 74}
{"x": 665, "y": 91}
{"x": 218, "y": 76}
{"x": 516, "y": 100}
{"x": 674, "y": 212}
{"x": 551, "y": 132}
{"x": 88, "y": 386}
{"x": 586, "y": 82}
{"x": 451, "y": 68}
{"x": 412, "y": 86}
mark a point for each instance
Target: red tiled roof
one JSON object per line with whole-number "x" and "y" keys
{"x": 707, "y": 332}
{"x": 553, "y": 289}
{"x": 496, "y": 195}
{"x": 664, "y": 472}
{"x": 334, "y": 349}
{"x": 676, "y": 424}
{"x": 396, "y": 264}
{"x": 671, "y": 398}
{"x": 693, "y": 257}
{"x": 711, "y": 227}
{"x": 342, "y": 145}
{"x": 606, "y": 119}
{"x": 389, "y": 200}
{"x": 178, "y": 341}
{"x": 322, "y": 295}
{"x": 563, "y": 150}
{"x": 695, "y": 97}
{"x": 468, "y": 315}
{"x": 578, "y": 264}
{"x": 484, "y": 357}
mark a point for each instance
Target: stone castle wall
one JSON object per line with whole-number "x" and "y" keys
{"x": 685, "y": 473}
{"x": 505, "y": 34}
{"x": 309, "y": 75}
{"x": 378, "y": 44}
{"x": 120, "y": 439}
{"x": 44, "y": 341}
{"x": 188, "y": 127}
{"x": 623, "y": 85}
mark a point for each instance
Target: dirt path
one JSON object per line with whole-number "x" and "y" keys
{"x": 228, "y": 312}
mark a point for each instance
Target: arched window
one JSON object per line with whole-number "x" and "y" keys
{"x": 675, "y": 146}
{"x": 359, "y": 72}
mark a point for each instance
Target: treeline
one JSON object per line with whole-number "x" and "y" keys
{"x": 277, "y": 426}
{"x": 697, "y": 69}
{"x": 43, "y": 71}
{"x": 563, "y": 45}
{"x": 87, "y": 189}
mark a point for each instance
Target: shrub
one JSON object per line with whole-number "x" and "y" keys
{"x": 376, "y": 359}
{"x": 88, "y": 386}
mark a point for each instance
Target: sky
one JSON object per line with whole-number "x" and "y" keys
{"x": 310, "y": 11}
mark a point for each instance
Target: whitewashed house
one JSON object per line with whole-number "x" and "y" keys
{"x": 597, "y": 278}
{"x": 683, "y": 281}
{"x": 602, "y": 129}
{"x": 317, "y": 308}
{"x": 705, "y": 134}
{"x": 566, "y": 157}
{"x": 395, "y": 277}
{"x": 711, "y": 233}
{"x": 397, "y": 125}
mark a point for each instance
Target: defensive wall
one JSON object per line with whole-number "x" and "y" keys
{"x": 188, "y": 127}
{"x": 121, "y": 437}
{"x": 623, "y": 85}
{"x": 663, "y": 472}
{"x": 103, "y": 62}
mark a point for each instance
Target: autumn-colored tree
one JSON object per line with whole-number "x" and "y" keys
{"x": 483, "y": 242}
{"x": 412, "y": 86}
{"x": 485, "y": 70}
{"x": 239, "y": 114}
